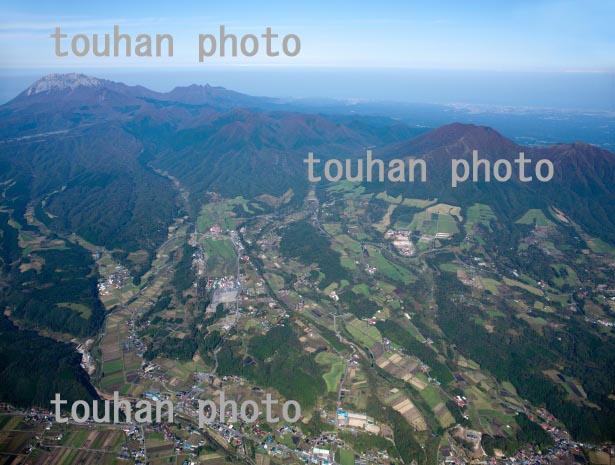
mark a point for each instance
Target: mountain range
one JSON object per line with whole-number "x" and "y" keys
{"x": 94, "y": 142}
{"x": 108, "y": 161}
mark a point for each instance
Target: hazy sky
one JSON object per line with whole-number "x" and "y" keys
{"x": 573, "y": 39}
{"x": 494, "y": 35}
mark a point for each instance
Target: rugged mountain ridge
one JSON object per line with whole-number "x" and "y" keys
{"x": 99, "y": 135}
{"x": 85, "y": 155}
{"x": 582, "y": 184}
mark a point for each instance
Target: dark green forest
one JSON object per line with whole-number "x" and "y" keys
{"x": 304, "y": 242}
{"x": 34, "y": 368}
{"x": 522, "y": 358}
{"x": 277, "y": 361}
{"x": 43, "y": 299}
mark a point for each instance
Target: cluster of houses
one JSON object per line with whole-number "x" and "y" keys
{"x": 401, "y": 242}
{"x": 114, "y": 281}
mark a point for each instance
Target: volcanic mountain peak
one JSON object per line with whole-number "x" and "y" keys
{"x": 202, "y": 87}
{"x": 456, "y": 139}
{"x": 60, "y": 82}
{"x": 220, "y": 97}
{"x": 478, "y": 136}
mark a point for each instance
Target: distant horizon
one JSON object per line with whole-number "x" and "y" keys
{"x": 542, "y": 53}
{"x": 565, "y": 91}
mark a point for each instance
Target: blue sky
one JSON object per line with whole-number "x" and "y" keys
{"x": 527, "y": 52}
{"x": 461, "y": 35}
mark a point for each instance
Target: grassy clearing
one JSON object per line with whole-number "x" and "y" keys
{"x": 415, "y": 332}
{"x": 221, "y": 213}
{"x": 116, "y": 378}
{"x": 446, "y": 224}
{"x": 445, "y": 209}
{"x": 498, "y": 415}
{"x": 113, "y": 367}
{"x": 387, "y": 198}
{"x": 83, "y": 310}
{"x": 393, "y": 397}
{"x": 446, "y": 418}
{"x": 601, "y": 247}
{"x": 491, "y": 285}
{"x": 346, "y": 457}
{"x": 367, "y": 335}
{"x": 349, "y": 243}
{"x": 221, "y": 256}
{"x": 566, "y": 275}
{"x": 384, "y": 224}
{"x": 449, "y": 267}
{"x": 534, "y": 321}
{"x": 440, "y": 218}
{"x": 349, "y": 249}
{"x": 333, "y": 377}
{"x": 535, "y": 217}
{"x": 528, "y": 288}
{"x": 330, "y": 288}
{"x": 333, "y": 228}
{"x": 346, "y": 187}
{"x": 388, "y": 268}
{"x": 361, "y": 289}
{"x": 431, "y": 396}
{"x": 419, "y": 203}
{"x": 337, "y": 367}
{"x": 479, "y": 214}
{"x": 348, "y": 263}
{"x": 495, "y": 313}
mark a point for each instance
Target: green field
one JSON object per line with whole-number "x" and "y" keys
{"x": 449, "y": 267}
{"x": 75, "y": 438}
{"x": 535, "y": 217}
{"x": 334, "y": 229}
{"x": 349, "y": 250}
{"x": 366, "y": 334}
{"x": 361, "y": 289}
{"x": 393, "y": 397}
{"x": 347, "y": 189}
{"x": 221, "y": 256}
{"x": 84, "y": 311}
{"x": 221, "y": 213}
{"x": 330, "y": 288}
{"x": 334, "y": 375}
{"x": 528, "y": 288}
{"x": 431, "y": 396}
{"x": 348, "y": 263}
{"x": 601, "y": 247}
{"x": 491, "y": 285}
{"x": 498, "y": 415}
{"x": 566, "y": 276}
{"x": 495, "y": 313}
{"x": 436, "y": 219}
{"x": 114, "y": 366}
{"x": 388, "y": 268}
{"x": 388, "y": 199}
{"x": 115, "y": 378}
{"x": 349, "y": 244}
{"x": 479, "y": 214}
{"x": 419, "y": 203}
{"x": 346, "y": 457}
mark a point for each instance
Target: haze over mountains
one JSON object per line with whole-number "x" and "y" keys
{"x": 100, "y": 136}
{"x": 508, "y": 275}
{"x": 94, "y": 142}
